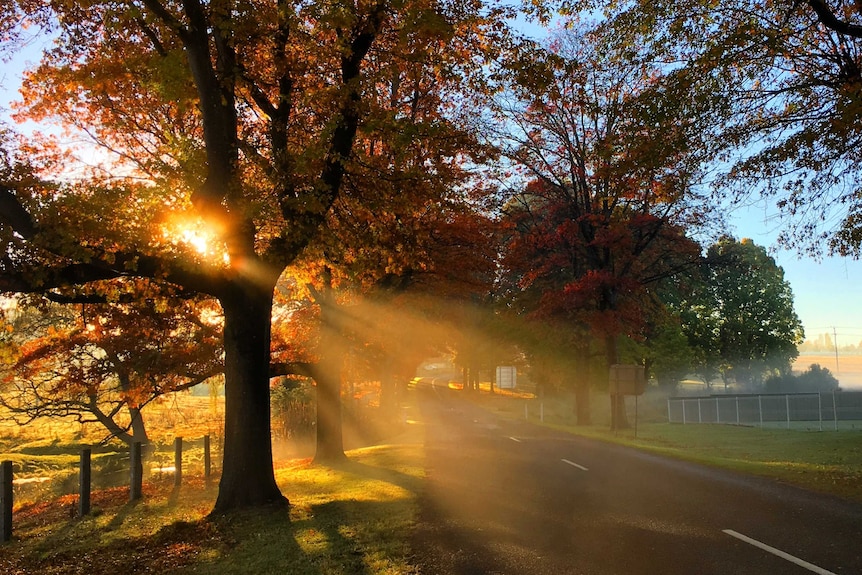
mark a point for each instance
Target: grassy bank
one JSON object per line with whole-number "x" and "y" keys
{"x": 827, "y": 461}
{"x": 353, "y": 519}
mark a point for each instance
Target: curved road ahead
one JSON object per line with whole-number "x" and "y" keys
{"x": 508, "y": 497}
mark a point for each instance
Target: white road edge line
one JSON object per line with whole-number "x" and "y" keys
{"x": 778, "y": 552}
{"x": 515, "y": 439}
{"x": 573, "y": 464}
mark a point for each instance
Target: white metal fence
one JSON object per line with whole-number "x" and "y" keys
{"x": 823, "y": 410}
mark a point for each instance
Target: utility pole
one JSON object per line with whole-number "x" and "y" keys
{"x": 835, "y": 343}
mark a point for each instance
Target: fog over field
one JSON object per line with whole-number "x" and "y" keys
{"x": 846, "y": 368}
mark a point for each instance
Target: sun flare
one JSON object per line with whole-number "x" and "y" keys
{"x": 201, "y": 237}
{"x": 200, "y": 240}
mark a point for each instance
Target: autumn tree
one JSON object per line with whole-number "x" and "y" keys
{"x": 742, "y": 312}
{"x": 610, "y": 158}
{"x": 103, "y": 363}
{"x": 385, "y": 280}
{"x": 458, "y": 288}
{"x": 407, "y": 232}
{"x": 783, "y": 82}
{"x": 232, "y": 125}
{"x": 409, "y": 199}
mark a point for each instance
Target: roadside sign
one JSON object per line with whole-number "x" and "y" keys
{"x": 627, "y": 380}
{"x": 507, "y": 376}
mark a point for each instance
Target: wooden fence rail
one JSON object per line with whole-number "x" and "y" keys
{"x": 5, "y": 501}
{"x": 136, "y": 472}
{"x": 136, "y": 476}
{"x": 178, "y": 461}
{"x": 85, "y": 476}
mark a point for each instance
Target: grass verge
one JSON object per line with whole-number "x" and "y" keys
{"x": 827, "y": 462}
{"x": 353, "y": 519}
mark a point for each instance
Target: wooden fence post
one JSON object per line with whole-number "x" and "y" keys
{"x": 207, "y": 460}
{"x": 5, "y": 501}
{"x": 136, "y": 472}
{"x": 178, "y": 461}
{"x": 85, "y": 476}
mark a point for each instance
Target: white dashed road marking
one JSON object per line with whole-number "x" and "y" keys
{"x": 779, "y": 553}
{"x": 573, "y": 464}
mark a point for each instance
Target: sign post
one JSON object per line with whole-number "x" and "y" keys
{"x": 625, "y": 379}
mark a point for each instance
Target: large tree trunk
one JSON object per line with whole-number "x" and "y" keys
{"x": 388, "y": 386}
{"x": 330, "y": 435}
{"x": 247, "y": 473}
{"x": 582, "y": 386}
{"x": 139, "y": 429}
{"x": 619, "y": 419}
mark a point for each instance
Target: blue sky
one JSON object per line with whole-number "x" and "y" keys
{"x": 826, "y": 292}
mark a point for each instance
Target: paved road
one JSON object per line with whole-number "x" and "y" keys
{"x": 507, "y": 497}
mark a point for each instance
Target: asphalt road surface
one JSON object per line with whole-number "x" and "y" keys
{"x": 508, "y": 497}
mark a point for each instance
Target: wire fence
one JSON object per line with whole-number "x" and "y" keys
{"x": 816, "y": 410}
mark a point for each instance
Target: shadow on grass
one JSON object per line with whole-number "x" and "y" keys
{"x": 343, "y": 536}
{"x": 120, "y": 517}
{"x": 349, "y": 543}
{"x": 405, "y": 481}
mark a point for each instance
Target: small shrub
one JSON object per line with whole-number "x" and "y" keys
{"x": 293, "y": 410}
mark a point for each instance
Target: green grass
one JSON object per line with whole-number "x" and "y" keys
{"x": 353, "y": 519}
{"x": 346, "y": 520}
{"x": 827, "y": 461}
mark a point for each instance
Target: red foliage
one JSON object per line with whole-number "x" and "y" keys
{"x": 592, "y": 267}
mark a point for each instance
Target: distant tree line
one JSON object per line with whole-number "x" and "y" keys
{"x": 825, "y": 344}
{"x": 813, "y": 379}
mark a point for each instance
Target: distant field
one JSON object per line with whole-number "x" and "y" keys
{"x": 848, "y": 370}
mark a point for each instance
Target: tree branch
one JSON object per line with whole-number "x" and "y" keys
{"x": 24, "y": 277}
{"x": 827, "y": 18}
{"x": 153, "y": 37}
{"x": 13, "y": 214}
{"x": 167, "y": 18}
{"x": 359, "y": 40}
{"x": 125, "y": 298}
{"x": 303, "y": 368}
